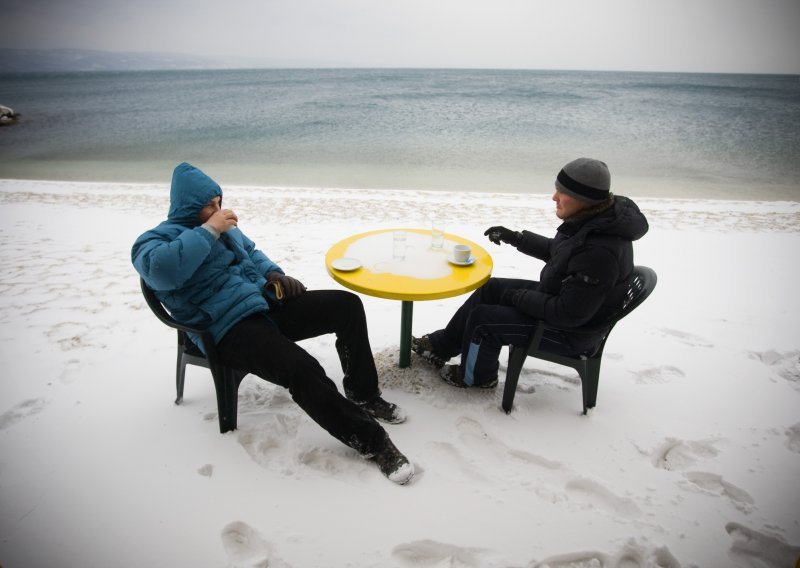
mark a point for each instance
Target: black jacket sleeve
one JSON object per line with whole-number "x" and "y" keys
{"x": 535, "y": 245}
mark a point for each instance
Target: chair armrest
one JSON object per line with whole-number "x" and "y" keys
{"x": 535, "y": 342}
{"x": 580, "y": 329}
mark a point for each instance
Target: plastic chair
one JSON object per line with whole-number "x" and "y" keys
{"x": 226, "y": 380}
{"x": 642, "y": 283}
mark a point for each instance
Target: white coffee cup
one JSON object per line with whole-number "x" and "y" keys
{"x": 461, "y": 253}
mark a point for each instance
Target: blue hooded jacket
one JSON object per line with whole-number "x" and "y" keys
{"x": 203, "y": 281}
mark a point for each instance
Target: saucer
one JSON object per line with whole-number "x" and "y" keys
{"x": 467, "y": 262}
{"x": 345, "y": 264}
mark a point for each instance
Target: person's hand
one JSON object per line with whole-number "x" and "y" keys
{"x": 223, "y": 220}
{"x": 290, "y": 287}
{"x": 501, "y": 234}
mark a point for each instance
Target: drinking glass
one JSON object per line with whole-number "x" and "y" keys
{"x": 399, "y": 245}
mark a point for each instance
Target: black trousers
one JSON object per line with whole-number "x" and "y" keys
{"x": 482, "y": 326}
{"x": 264, "y": 345}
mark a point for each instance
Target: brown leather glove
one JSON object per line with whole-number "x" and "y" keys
{"x": 285, "y": 286}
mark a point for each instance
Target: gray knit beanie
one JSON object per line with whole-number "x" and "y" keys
{"x": 585, "y": 179}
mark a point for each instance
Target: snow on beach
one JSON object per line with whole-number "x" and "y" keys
{"x": 691, "y": 457}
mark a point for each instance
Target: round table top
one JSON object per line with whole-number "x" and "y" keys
{"x": 424, "y": 274}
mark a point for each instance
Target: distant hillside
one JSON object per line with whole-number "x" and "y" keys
{"x": 38, "y": 60}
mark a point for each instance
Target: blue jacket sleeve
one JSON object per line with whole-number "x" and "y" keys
{"x": 166, "y": 262}
{"x": 261, "y": 260}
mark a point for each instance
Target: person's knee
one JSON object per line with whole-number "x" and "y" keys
{"x": 491, "y": 285}
{"x": 350, "y": 306}
{"x": 352, "y": 300}
{"x": 485, "y": 322}
{"x": 481, "y": 335}
{"x": 493, "y": 290}
{"x": 494, "y": 287}
{"x": 484, "y": 313}
{"x": 303, "y": 375}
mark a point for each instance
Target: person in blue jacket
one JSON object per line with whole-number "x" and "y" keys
{"x": 584, "y": 281}
{"x": 208, "y": 274}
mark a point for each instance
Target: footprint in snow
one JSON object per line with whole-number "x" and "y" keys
{"x": 561, "y": 381}
{"x": 786, "y": 365}
{"x": 323, "y": 460}
{"x": 677, "y": 455}
{"x": 713, "y": 484}
{"x": 450, "y": 456}
{"x": 635, "y": 553}
{"x": 70, "y": 372}
{"x": 430, "y": 553}
{"x": 752, "y": 548}
{"x": 21, "y": 411}
{"x": 273, "y": 443}
{"x": 247, "y": 549}
{"x": 257, "y": 395}
{"x": 793, "y": 438}
{"x": 593, "y": 494}
{"x": 269, "y": 438}
{"x": 687, "y": 338}
{"x": 474, "y": 435}
{"x": 658, "y": 375}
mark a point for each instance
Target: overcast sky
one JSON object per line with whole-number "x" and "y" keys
{"x": 759, "y": 36}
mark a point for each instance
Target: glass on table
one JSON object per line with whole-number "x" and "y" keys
{"x": 399, "y": 245}
{"x": 437, "y": 234}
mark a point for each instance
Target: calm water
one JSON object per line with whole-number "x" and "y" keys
{"x": 681, "y": 135}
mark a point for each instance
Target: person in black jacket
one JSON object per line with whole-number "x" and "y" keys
{"x": 584, "y": 281}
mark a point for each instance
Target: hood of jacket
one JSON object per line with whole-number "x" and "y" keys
{"x": 191, "y": 190}
{"x": 622, "y": 219}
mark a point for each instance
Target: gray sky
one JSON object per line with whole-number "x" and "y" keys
{"x": 758, "y": 36}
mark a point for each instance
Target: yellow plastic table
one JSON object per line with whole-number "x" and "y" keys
{"x": 424, "y": 274}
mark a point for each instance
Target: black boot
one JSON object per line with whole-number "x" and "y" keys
{"x": 423, "y": 347}
{"x": 393, "y": 464}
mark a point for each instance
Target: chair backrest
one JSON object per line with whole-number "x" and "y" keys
{"x": 641, "y": 285}
{"x": 643, "y": 282}
{"x": 155, "y": 305}
{"x": 161, "y": 312}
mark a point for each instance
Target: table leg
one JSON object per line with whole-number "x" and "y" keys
{"x": 407, "y": 311}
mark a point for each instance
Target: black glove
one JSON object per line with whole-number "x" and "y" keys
{"x": 501, "y": 234}
{"x": 512, "y": 296}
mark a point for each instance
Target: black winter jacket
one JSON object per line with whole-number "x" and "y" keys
{"x": 588, "y": 264}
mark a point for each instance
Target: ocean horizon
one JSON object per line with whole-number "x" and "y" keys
{"x": 681, "y": 135}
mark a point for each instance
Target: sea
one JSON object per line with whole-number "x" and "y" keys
{"x": 675, "y": 135}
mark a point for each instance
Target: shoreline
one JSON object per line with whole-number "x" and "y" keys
{"x": 384, "y": 208}
{"x": 305, "y": 188}
{"x": 397, "y": 177}
{"x": 670, "y": 137}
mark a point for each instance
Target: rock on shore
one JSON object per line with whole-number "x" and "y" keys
{"x": 7, "y": 116}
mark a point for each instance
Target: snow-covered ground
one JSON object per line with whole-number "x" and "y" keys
{"x": 691, "y": 457}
